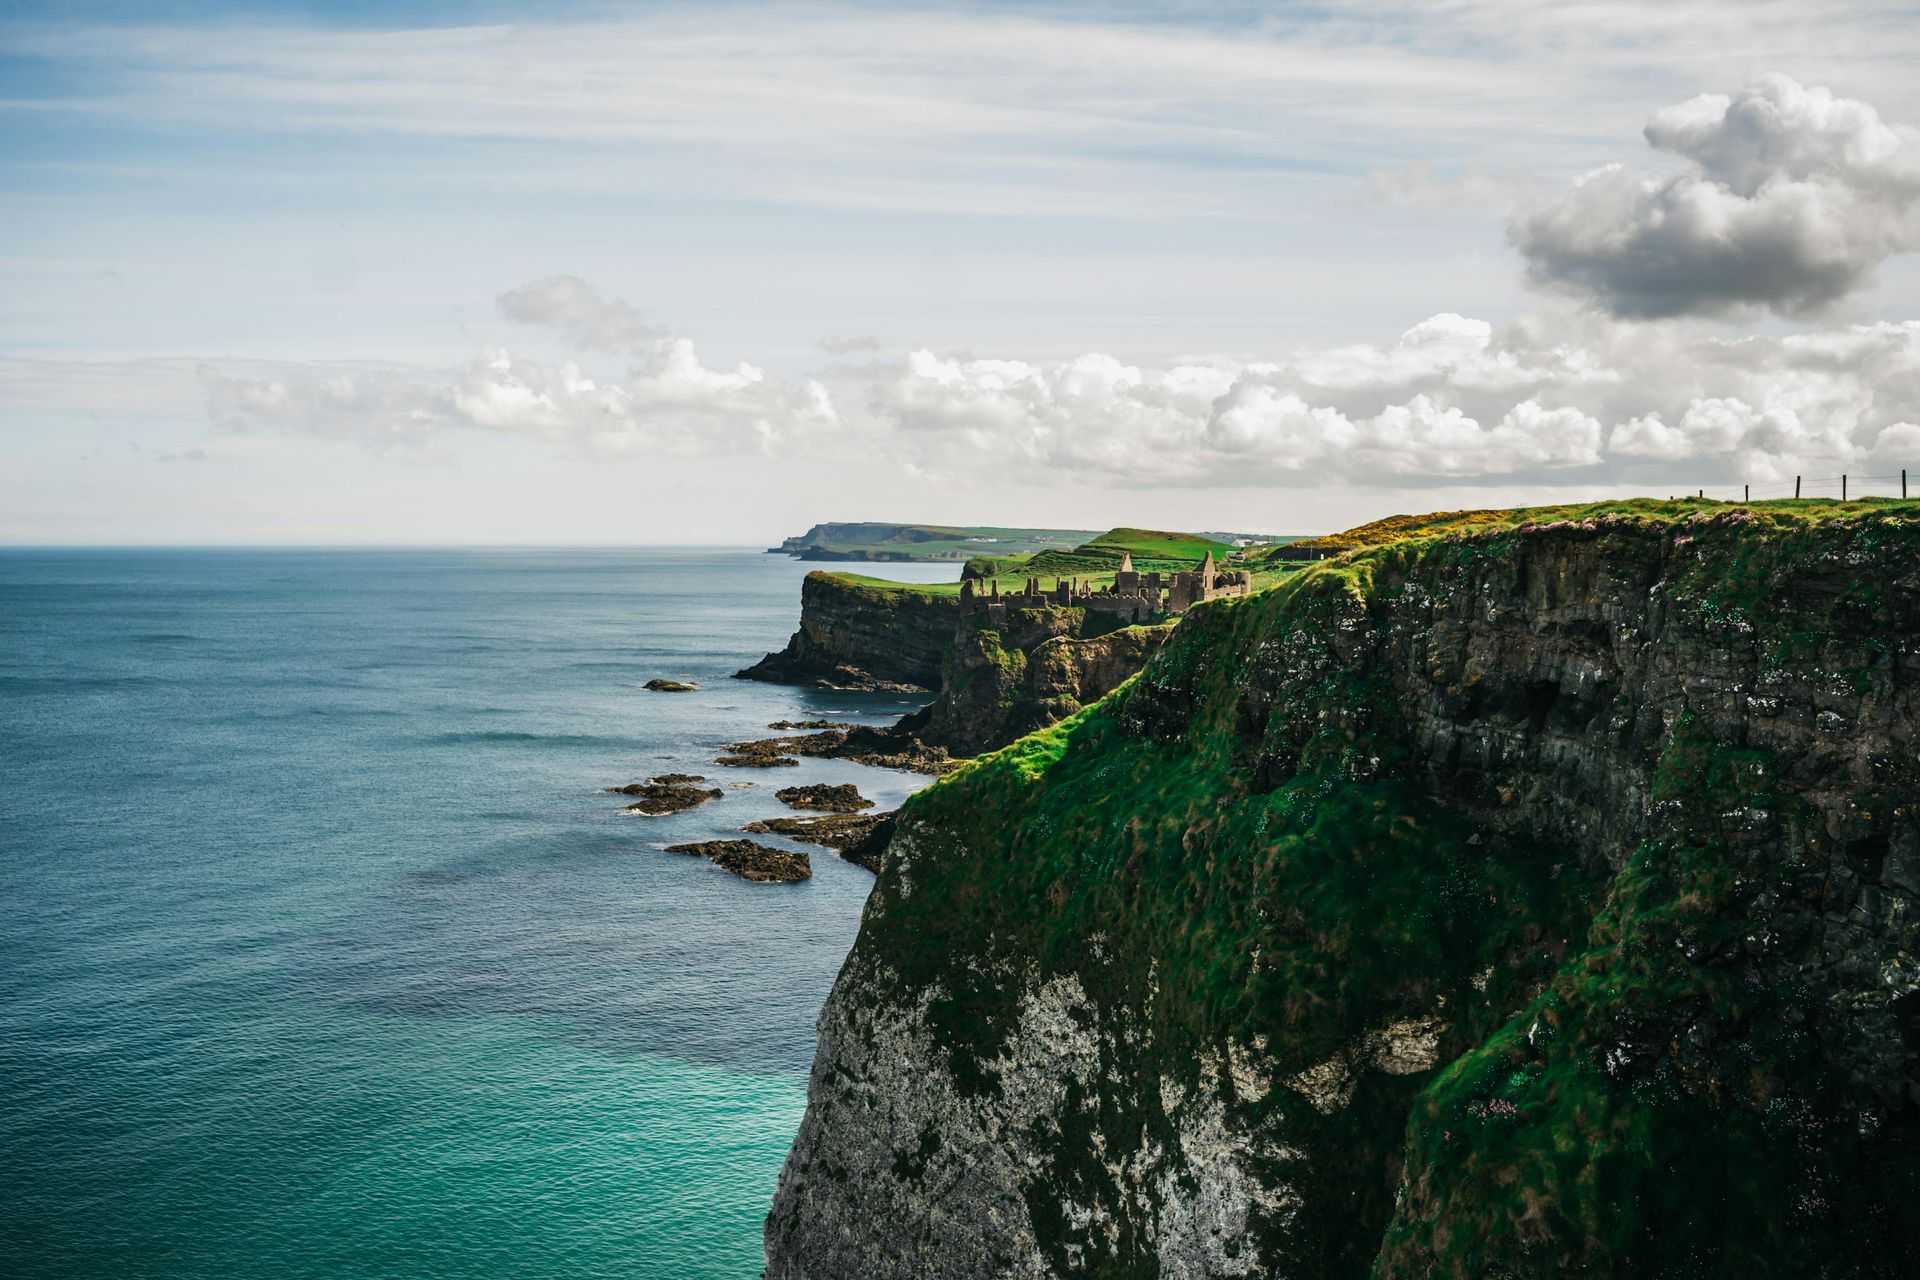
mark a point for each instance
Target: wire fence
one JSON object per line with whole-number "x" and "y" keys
{"x": 1845, "y": 487}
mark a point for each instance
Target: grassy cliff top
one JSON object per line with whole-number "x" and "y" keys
{"x": 1781, "y": 513}
{"x": 1151, "y": 549}
{"x": 1155, "y": 544}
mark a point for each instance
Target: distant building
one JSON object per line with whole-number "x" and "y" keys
{"x": 1134, "y": 596}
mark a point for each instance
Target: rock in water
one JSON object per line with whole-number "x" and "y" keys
{"x": 671, "y": 686}
{"x": 841, "y": 831}
{"x": 757, "y": 760}
{"x": 662, "y": 797}
{"x": 750, "y": 861}
{"x": 862, "y": 744}
{"x": 844, "y": 798}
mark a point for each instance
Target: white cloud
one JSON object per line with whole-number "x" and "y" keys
{"x": 1794, "y": 198}
{"x": 1452, "y": 400}
{"x": 1474, "y": 187}
{"x": 852, "y": 345}
{"x": 584, "y": 318}
{"x": 1057, "y": 110}
{"x": 668, "y": 402}
{"x": 1560, "y": 397}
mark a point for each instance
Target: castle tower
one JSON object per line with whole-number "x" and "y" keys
{"x": 1125, "y": 579}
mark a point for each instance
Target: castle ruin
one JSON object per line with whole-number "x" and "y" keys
{"x": 1134, "y": 596}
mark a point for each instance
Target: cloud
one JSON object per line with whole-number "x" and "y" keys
{"x": 852, "y": 345}
{"x": 669, "y": 401}
{"x": 1451, "y": 401}
{"x": 1562, "y": 395}
{"x": 1134, "y": 111}
{"x": 1473, "y": 187}
{"x": 1794, "y": 197}
{"x": 585, "y": 319}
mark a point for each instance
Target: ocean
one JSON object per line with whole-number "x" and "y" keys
{"x": 322, "y": 950}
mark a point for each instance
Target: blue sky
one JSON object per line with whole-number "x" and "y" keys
{"x": 1162, "y": 259}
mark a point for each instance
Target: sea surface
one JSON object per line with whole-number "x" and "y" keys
{"x": 322, "y": 951}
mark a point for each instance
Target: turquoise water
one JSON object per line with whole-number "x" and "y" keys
{"x": 322, "y": 951}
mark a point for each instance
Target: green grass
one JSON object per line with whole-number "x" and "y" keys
{"x": 1772, "y": 515}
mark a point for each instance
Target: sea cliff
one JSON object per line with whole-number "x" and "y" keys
{"x": 1530, "y": 895}
{"x": 998, "y": 684}
{"x": 859, "y": 634}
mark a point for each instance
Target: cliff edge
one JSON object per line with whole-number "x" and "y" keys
{"x": 1526, "y": 897}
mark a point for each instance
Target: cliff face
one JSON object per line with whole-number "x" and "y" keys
{"x": 1530, "y": 902}
{"x": 994, "y": 686}
{"x": 853, "y": 636}
{"x": 997, "y": 685}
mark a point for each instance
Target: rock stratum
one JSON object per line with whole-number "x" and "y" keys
{"x": 1531, "y": 897}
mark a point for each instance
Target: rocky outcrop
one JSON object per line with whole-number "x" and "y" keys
{"x": 994, "y": 684}
{"x": 839, "y": 831}
{"x": 668, "y": 793}
{"x": 854, "y": 636}
{"x": 750, "y": 861}
{"x": 882, "y": 748}
{"x": 997, "y": 685}
{"x": 841, "y": 798}
{"x": 670, "y": 686}
{"x": 1527, "y": 902}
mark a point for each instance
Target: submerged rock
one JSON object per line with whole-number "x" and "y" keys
{"x": 671, "y": 686}
{"x": 844, "y": 798}
{"x": 750, "y": 861}
{"x": 756, "y": 760}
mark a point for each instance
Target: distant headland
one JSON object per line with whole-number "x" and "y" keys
{"x": 858, "y": 541}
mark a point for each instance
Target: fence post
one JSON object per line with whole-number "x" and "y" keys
{"x": 1843, "y": 488}
{"x": 1746, "y": 493}
{"x": 1903, "y": 483}
{"x": 1703, "y": 494}
{"x": 1796, "y": 487}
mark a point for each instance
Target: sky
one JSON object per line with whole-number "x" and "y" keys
{"x": 650, "y": 273}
